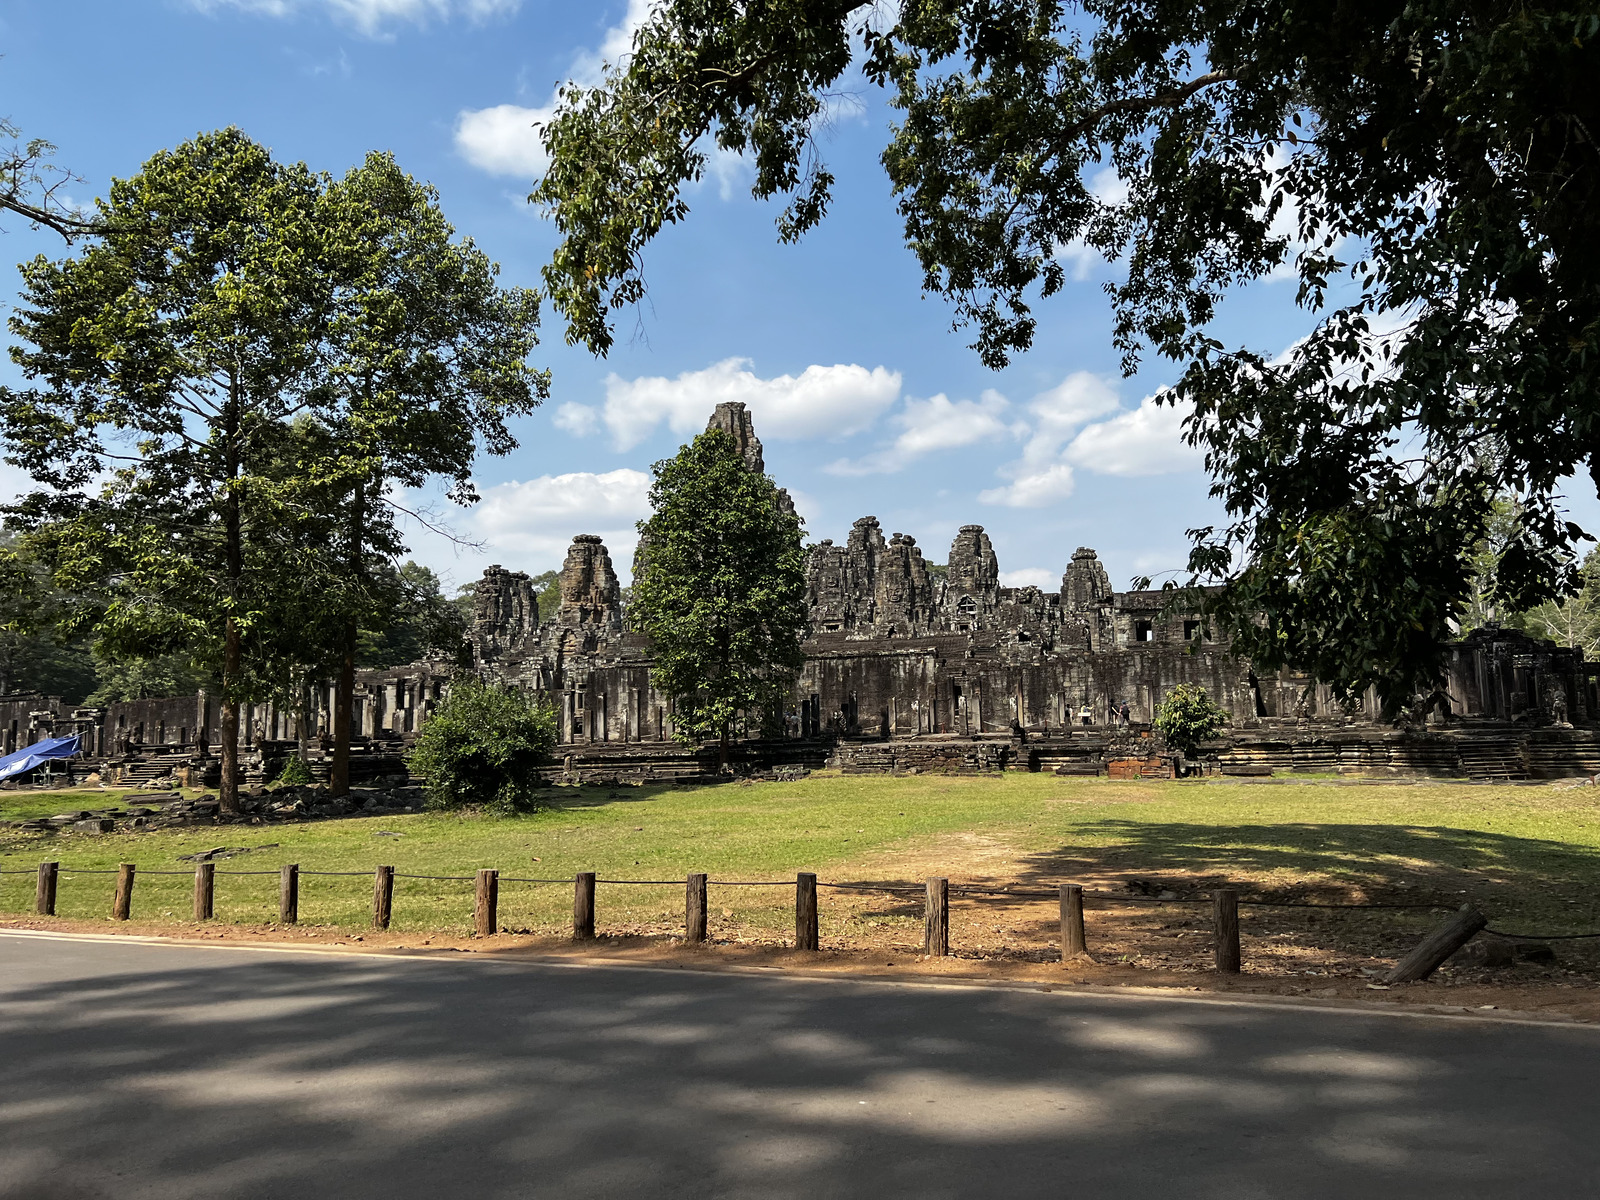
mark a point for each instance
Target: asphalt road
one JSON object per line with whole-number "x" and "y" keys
{"x": 136, "y": 1070}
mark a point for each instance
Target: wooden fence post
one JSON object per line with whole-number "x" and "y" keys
{"x": 583, "y": 906}
{"x": 694, "y": 909}
{"x": 1225, "y": 901}
{"x": 44, "y": 890}
{"x": 382, "y": 897}
{"x": 205, "y": 890}
{"x": 1073, "y": 944}
{"x": 486, "y": 904}
{"x": 289, "y": 893}
{"x": 805, "y": 912}
{"x": 122, "y": 903}
{"x": 1439, "y": 945}
{"x": 936, "y": 919}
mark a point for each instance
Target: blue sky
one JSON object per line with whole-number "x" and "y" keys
{"x": 865, "y": 399}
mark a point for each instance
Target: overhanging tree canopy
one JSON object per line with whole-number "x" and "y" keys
{"x": 1428, "y": 170}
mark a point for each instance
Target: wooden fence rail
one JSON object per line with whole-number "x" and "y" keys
{"x": 1225, "y": 902}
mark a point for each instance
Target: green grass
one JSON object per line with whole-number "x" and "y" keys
{"x": 23, "y": 805}
{"x": 1529, "y": 855}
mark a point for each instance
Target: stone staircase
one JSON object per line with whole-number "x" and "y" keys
{"x": 1492, "y": 761}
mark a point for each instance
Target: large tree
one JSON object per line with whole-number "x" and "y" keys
{"x": 172, "y": 356}
{"x": 241, "y": 368}
{"x": 1427, "y": 169}
{"x": 424, "y": 362}
{"x": 720, "y": 588}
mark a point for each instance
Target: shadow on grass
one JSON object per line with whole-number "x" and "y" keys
{"x": 1377, "y": 859}
{"x": 569, "y": 799}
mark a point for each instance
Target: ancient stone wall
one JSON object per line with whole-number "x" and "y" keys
{"x": 893, "y": 652}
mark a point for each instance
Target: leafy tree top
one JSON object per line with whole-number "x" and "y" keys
{"x": 1187, "y": 716}
{"x": 720, "y": 588}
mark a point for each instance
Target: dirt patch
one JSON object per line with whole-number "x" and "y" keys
{"x": 1523, "y": 992}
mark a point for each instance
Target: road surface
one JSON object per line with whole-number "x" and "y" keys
{"x": 153, "y": 1070}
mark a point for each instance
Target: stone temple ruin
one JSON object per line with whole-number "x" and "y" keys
{"x": 912, "y": 668}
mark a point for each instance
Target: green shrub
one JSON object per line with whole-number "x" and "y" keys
{"x": 295, "y": 773}
{"x": 483, "y": 746}
{"x": 1187, "y": 716}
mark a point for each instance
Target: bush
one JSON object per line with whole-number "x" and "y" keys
{"x": 1187, "y": 716}
{"x": 295, "y": 773}
{"x": 483, "y": 746}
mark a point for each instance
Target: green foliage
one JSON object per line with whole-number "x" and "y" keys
{"x": 482, "y": 746}
{"x": 235, "y": 373}
{"x": 720, "y": 588}
{"x": 172, "y": 354}
{"x": 1426, "y": 172}
{"x": 420, "y": 622}
{"x": 1573, "y": 622}
{"x": 146, "y": 678}
{"x": 1187, "y": 716}
{"x": 546, "y": 583}
{"x": 34, "y": 656}
{"x": 295, "y": 773}
{"x": 34, "y": 187}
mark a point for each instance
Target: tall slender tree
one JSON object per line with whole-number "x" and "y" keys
{"x": 424, "y": 362}
{"x": 720, "y": 588}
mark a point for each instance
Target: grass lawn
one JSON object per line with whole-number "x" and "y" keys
{"x": 1529, "y": 856}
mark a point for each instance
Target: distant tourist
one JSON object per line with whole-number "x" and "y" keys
{"x": 1086, "y": 715}
{"x": 1123, "y": 713}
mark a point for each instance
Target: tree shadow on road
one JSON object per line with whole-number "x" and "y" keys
{"x": 193, "y": 1072}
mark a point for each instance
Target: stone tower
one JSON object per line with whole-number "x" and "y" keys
{"x": 590, "y": 594}
{"x": 972, "y": 591}
{"x": 733, "y": 418}
{"x": 902, "y": 597}
{"x": 1085, "y": 584}
{"x": 505, "y": 613}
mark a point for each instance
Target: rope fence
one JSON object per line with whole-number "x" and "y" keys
{"x": 1460, "y": 927}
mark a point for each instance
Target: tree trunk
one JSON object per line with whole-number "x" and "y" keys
{"x": 343, "y": 705}
{"x": 232, "y": 655}
{"x": 722, "y": 751}
{"x": 229, "y": 794}
{"x": 345, "y": 690}
{"x": 303, "y": 725}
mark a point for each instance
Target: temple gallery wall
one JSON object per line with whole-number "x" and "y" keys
{"x": 894, "y": 651}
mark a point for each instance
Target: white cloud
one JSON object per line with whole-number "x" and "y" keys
{"x": 1033, "y": 489}
{"x": 1066, "y": 437}
{"x": 1039, "y": 477}
{"x": 371, "y": 17}
{"x": 834, "y": 401}
{"x": 1031, "y": 577}
{"x": 928, "y": 426}
{"x": 535, "y": 520}
{"x": 502, "y": 139}
{"x": 1146, "y": 441}
{"x": 577, "y": 419}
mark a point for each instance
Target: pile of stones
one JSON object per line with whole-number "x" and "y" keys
{"x": 384, "y": 797}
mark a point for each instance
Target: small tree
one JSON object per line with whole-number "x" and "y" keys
{"x": 483, "y": 746}
{"x": 720, "y": 589}
{"x": 1188, "y": 716}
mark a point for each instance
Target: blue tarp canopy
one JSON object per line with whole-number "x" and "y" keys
{"x": 30, "y": 757}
